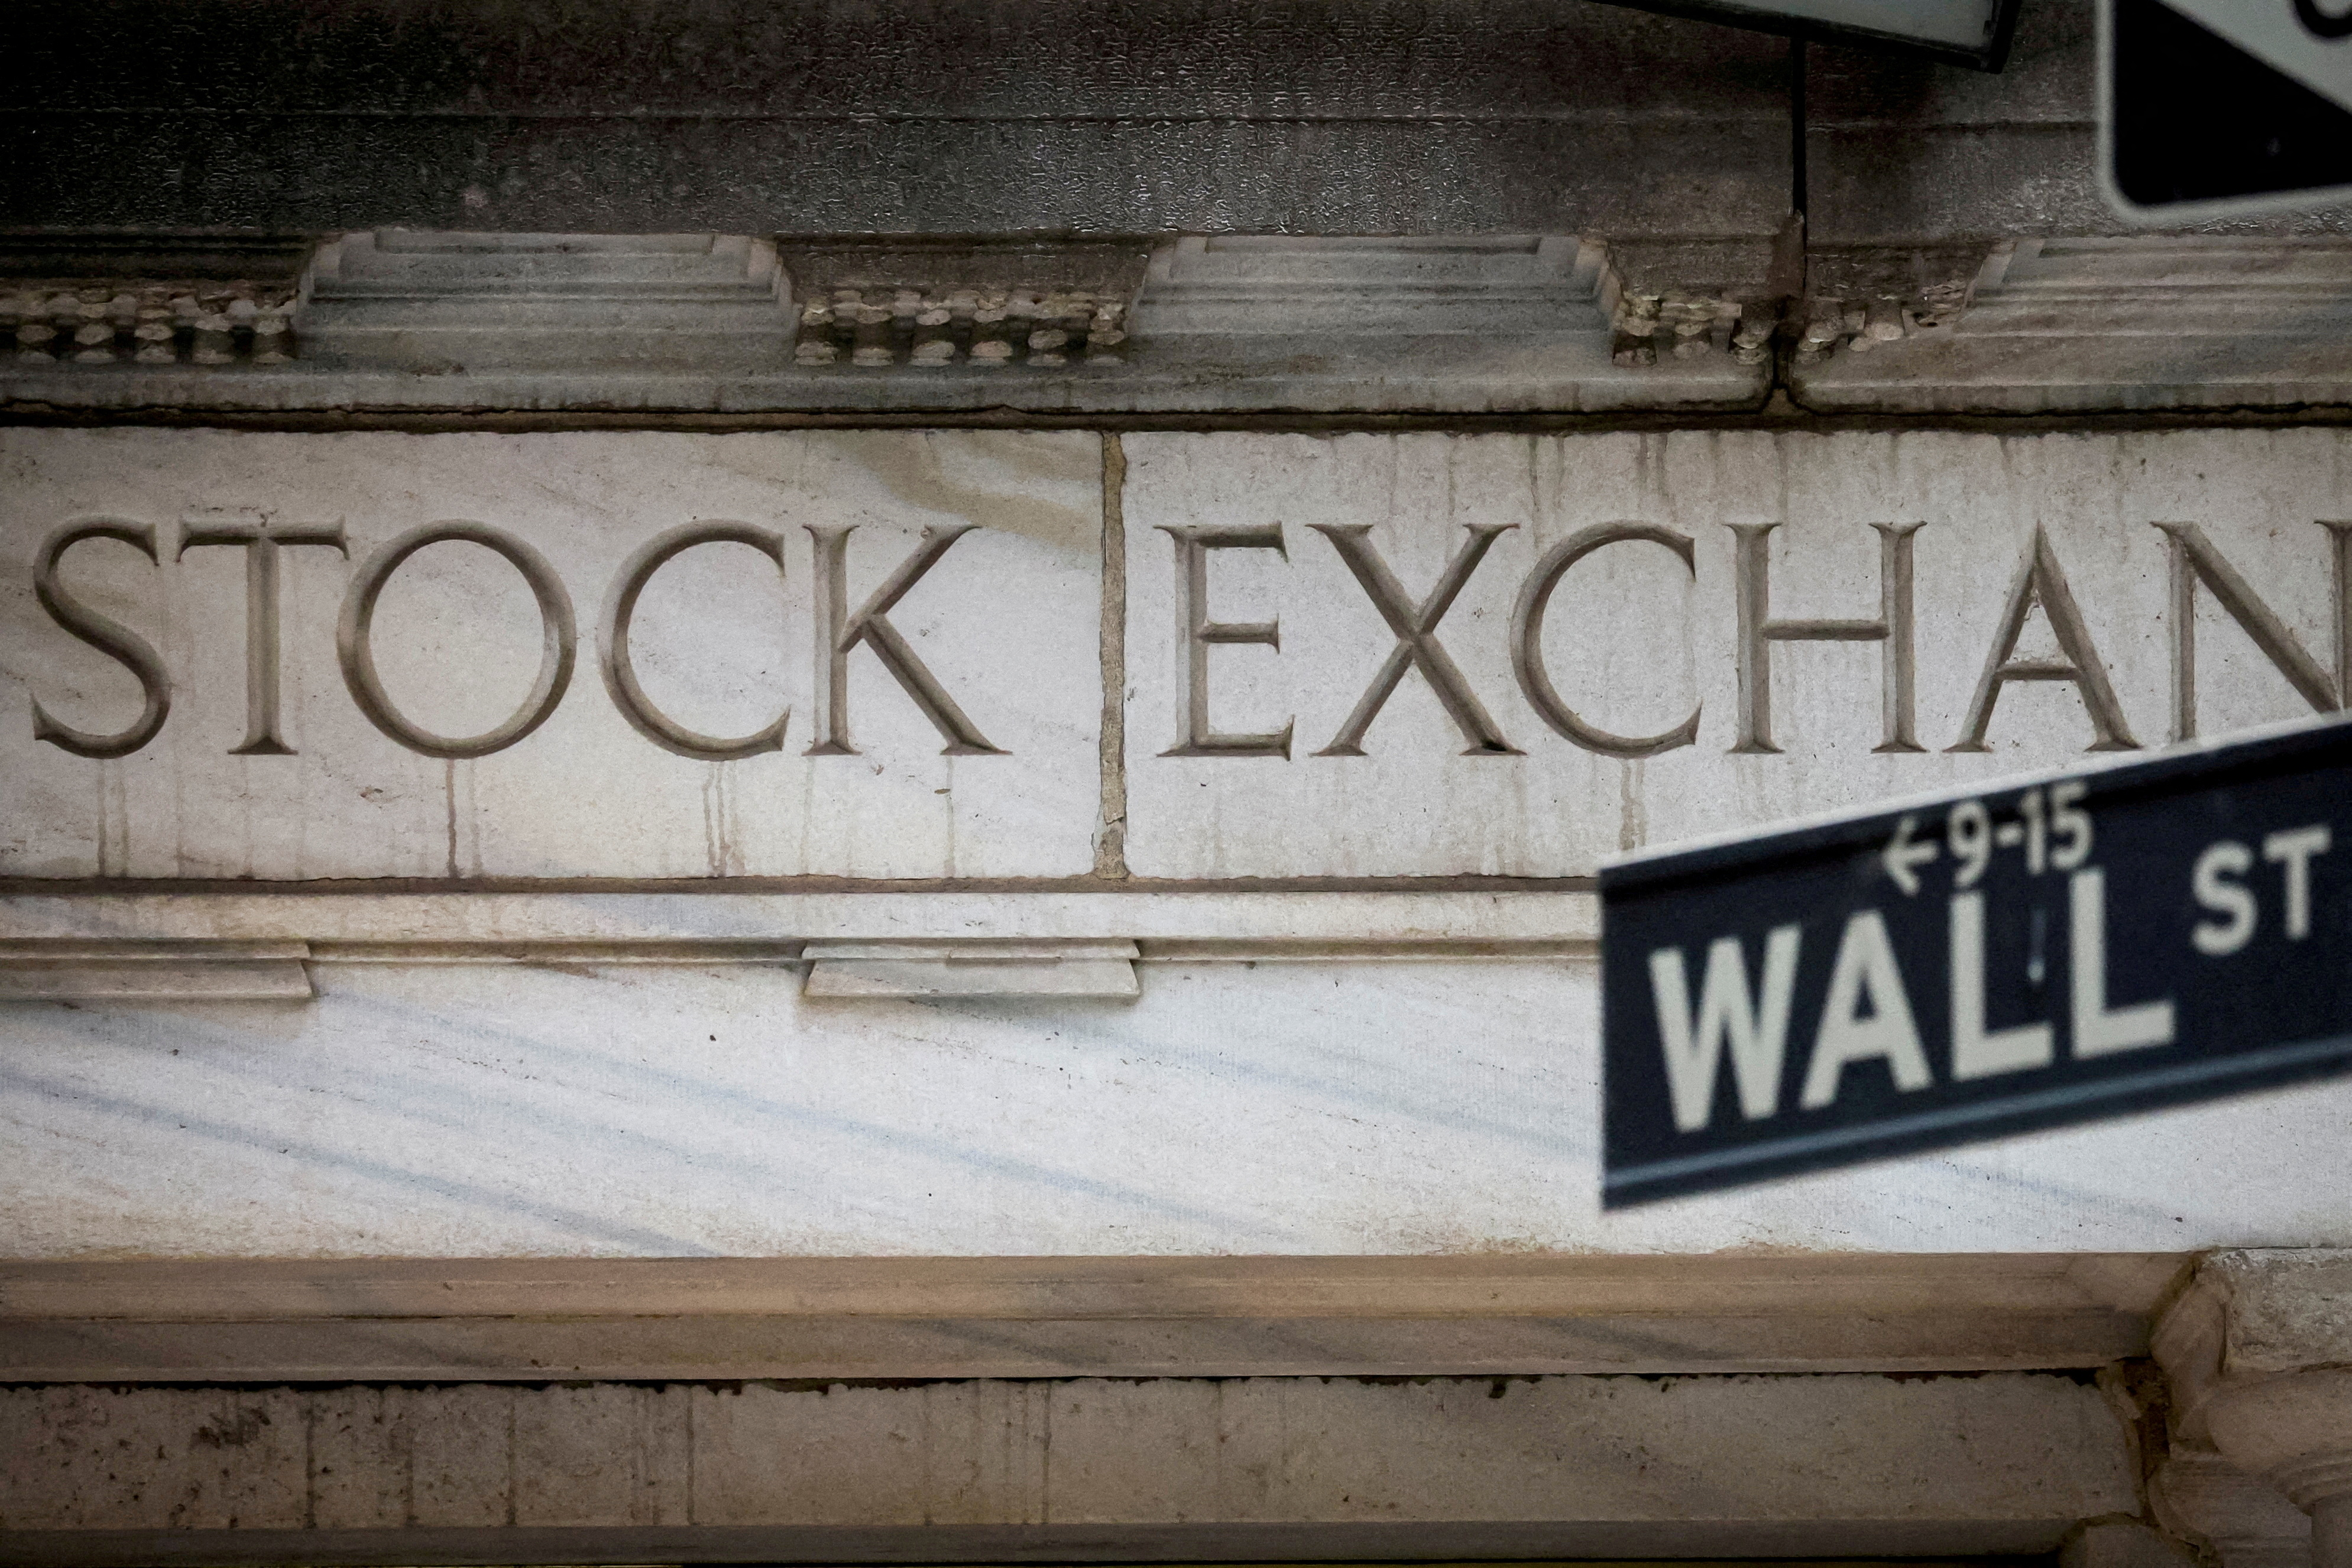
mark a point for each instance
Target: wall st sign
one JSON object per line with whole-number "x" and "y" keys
{"x": 2054, "y": 951}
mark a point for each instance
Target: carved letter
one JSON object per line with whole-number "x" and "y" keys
{"x": 839, "y": 632}
{"x": 1417, "y": 646}
{"x": 261, "y": 543}
{"x": 1752, "y": 566}
{"x": 1527, "y": 640}
{"x": 2195, "y": 561}
{"x": 2040, "y": 580}
{"x": 620, "y": 674}
{"x": 108, "y": 636}
{"x": 1192, "y": 547}
{"x": 556, "y": 632}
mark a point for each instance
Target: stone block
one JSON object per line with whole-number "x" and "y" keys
{"x": 964, "y": 115}
{"x": 1586, "y": 684}
{"x": 1562, "y": 1466}
{"x": 2145, "y": 323}
{"x": 577, "y": 1108}
{"x": 464, "y": 723}
{"x": 192, "y": 1459}
{"x": 2125, "y": 1544}
{"x": 654, "y": 1320}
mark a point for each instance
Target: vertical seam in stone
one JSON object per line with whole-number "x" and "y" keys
{"x": 310, "y": 1462}
{"x": 449, "y": 791}
{"x": 1110, "y": 834}
{"x": 514, "y": 1511}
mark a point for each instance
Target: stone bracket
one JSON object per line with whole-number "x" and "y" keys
{"x": 972, "y": 968}
{"x": 2258, "y": 1352}
{"x": 154, "y": 970}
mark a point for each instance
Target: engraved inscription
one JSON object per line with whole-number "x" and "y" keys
{"x": 628, "y": 655}
{"x": 840, "y": 633}
{"x": 103, "y": 633}
{"x": 883, "y": 654}
{"x": 621, "y": 671}
{"x": 354, "y": 647}
{"x": 1759, "y": 631}
{"x": 1527, "y": 640}
{"x": 2194, "y": 560}
{"x": 1517, "y": 654}
{"x": 261, "y": 542}
{"x": 2040, "y": 583}
{"x": 1417, "y": 646}
{"x": 1193, "y": 545}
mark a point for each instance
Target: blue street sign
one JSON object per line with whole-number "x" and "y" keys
{"x": 2059, "y": 950}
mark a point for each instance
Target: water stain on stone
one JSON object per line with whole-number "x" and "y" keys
{"x": 938, "y": 471}
{"x": 234, "y": 1432}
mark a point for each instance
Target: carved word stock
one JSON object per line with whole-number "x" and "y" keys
{"x": 842, "y": 633}
{"x": 2039, "y": 581}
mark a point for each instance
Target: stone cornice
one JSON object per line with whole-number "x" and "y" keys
{"x": 1491, "y": 324}
{"x": 2157, "y": 322}
{"x": 688, "y": 323}
{"x": 108, "y": 300}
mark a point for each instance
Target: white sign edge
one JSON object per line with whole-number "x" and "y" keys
{"x": 2182, "y": 214}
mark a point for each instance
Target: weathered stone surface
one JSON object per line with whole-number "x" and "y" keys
{"x": 2257, "y": 1348}
{"x": 2244, "y": 1520}
{"x": 650, "y": 1320}
{"x": 960, "y": 116}
{"x": 2118, "y": 1543}
{"x": 578, "y": 1108}
{"x": 1899, "y": 149}
{"x": 2148, "y": 323}
{"x": 1552, "y": 1467}
{"x": 1643, "y": 643}
{"x": 862, "y": 783}
{"x": 702, "y": 323}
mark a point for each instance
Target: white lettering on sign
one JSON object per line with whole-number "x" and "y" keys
{"x": 1864, "y": 975}
{"x": 2216, "y": 883}
{"x": 2294, "y": 851}
{"x": 1866, "y": 1009}
{"x": 1758, "y": 1032}
{"x": 2101, "y": 1030}
{"x": 1977, "y": 1051}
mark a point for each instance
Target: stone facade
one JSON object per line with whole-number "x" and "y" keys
{"x": 779, "y": 785}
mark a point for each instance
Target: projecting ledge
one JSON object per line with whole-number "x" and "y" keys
{"x": 977, "y": 968}
{"x": 154, "y": 970}
{"x": 477, "y": 1320}
{"x": 1200, "y": 922}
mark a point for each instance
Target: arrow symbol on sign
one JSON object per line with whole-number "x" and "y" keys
{"x": 1901, "y": 855}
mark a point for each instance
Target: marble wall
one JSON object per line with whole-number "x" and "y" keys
{"x": 1062, "y": 684}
